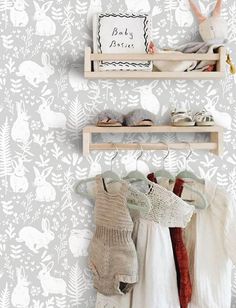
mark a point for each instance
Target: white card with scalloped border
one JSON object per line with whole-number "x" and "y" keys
{"x": 118, "y": 34}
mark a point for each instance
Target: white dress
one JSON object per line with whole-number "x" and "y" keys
{"x": 210, "y": 240}
{"x": 157, "y": 285}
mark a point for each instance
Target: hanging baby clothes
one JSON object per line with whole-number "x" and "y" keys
{"x": 181, "y": 257}
{"x": 210, "y": 242}
{"x": 180, "y": 253}
{"x": 113, "y": 257}
{"x": 139, "y": 199}
{"x": 157, "y": 286}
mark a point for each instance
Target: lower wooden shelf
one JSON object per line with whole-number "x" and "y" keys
{"x": 215, "y": 145}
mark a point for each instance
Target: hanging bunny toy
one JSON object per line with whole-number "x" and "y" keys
{"x": 213, "y": 29}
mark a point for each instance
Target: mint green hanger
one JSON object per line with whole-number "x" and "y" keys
{"x": 110, "y": 174}
{"x": 204, "y": 203}
{"x": 163, "y": 173}
{"x": 135, "y": 175}
{"x": 186, "y": 174}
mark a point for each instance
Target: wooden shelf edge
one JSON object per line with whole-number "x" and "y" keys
{"x": 215, "y": 145}
{"x": 153, "y": 75}
{"x": 152, "y": 57}
{"x": 154, "y": 146}
{"x": 153, "y": 129}
{"x": 192, "y": 75}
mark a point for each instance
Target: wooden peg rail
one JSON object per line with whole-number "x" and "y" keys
{"x": 89, "y": 73}
{"x": 215, "y": 145}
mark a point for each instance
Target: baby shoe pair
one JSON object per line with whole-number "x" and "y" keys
{"x": 186, "y": 118}
{"x": 137, "y": 117}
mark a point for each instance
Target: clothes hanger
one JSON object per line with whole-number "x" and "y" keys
{"x": 109, "y": 174}
{"x": 163, "y": 173}
{"x": 135, "y": 176}
{"x": 186, "y": 174}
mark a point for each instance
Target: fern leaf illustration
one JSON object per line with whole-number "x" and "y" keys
{"x": 5, "y": 298}
{"x": 76, "y": 286}
{"x": 76, "y": 120}
{"x": 57, "y": 14}
{"x": 16, "y": 85}
{"x": 5, "y": 153}
{"x": 81, "y": 7}
{"x": 7, "y": 40}
{"x": 7, "y": 207}
{"x": 61, "y": 301}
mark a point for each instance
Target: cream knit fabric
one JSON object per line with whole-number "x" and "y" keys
{"x": 167, "y": 209}
{"x": 113, "y": 257}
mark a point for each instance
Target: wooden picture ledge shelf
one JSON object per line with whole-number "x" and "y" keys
{"x": 215, "y": 145}
{"x": 90, "y": 57}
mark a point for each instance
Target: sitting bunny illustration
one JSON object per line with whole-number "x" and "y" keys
{"x": 20, "y": 296}
{"x": 18, "y": 15}
{"x": 50, "y": 284}
{"x": 95, "y": 165}
{"x": 34, "y": 73}
{"x": 20, "y": 130}
{"x": 212, "y": 29}
{"x": 18, "y": 180}
{"x": 79, "y": 241}
{"x": 45, "y": 192}
{"x": 221, "y": 118}
{"x": 45, "y": 26}
{"x": 148, "y": 98}
{"x": 51, "y": 119}
{"x": 34, "y": 239}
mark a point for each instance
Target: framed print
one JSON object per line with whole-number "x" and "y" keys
{"x": 121, "y": 33}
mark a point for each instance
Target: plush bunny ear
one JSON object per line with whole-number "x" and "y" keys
{"x": 217, "y": 9}
{"x": 197, "y": 12}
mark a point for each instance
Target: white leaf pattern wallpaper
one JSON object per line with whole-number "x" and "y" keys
{"x": 45, "y": 102}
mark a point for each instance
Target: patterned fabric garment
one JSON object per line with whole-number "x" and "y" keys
{"x": 180, "y": 253}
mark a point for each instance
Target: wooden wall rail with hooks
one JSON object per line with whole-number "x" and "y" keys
{"x": 215, "y": 144}
{"x": 90, "y": 57}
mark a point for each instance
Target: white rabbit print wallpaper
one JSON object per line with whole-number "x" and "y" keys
{"x": 45, "y": 102}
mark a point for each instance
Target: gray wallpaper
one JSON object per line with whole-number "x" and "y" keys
{"x": 45, "y": 102}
